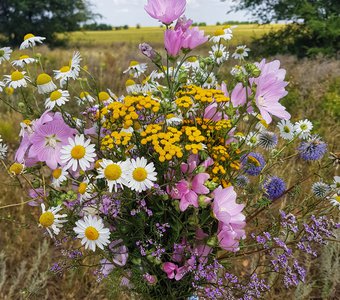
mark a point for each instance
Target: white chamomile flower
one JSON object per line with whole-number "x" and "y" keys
{"x": 210, "y": 81}
{"x": 26, "y": 127}
{"x": 336, "y": 183}
{"x": 3, "y": 150}
{"x": 79, "y": 153}
{"x": 135, "y": 68}
{"x": 85, "y": 190}
{"x": 92, "y": 232}
{"x": 105, "y": 97}
{"x": 303, "y": 128}
{"x": 141, "y": 174}
{"x": 84, "y": 97}
{"x": 172, "y": 120}
{"x": 16, "y": 79}
{"x": 156, "y": 75}
{"x": 132, "y": 87}
{"x": 222, "y": 34}
{"x": 58, "y": 97}
{"x": 2, "y": 84}
{"x": 252, "y": 139}
{"x": 45, "y": 84}
{"x": 241, "y": 52}
{"x": 5, "y": 54}
{"x": 192, "y": 62}
{"x": 59, "y": 176}
{"x": 23, "y": 60}
{"x": 30, "y": 40}
{"x": 114, "y": 173}
{"x": 69, "y": 72}
{"x": 238, "y": 70}
{"x": 51, "y": 220}
{"x": 335, "y": 200}
{"x": 286, "y": 129}
{"x": 219, "y": 53}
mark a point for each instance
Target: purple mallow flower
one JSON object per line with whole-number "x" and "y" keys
{"x": 274, "y": 187}
{"x": 312, "y": 149}
{"x": 253, "y": 163}
{"x": 166, "y": 11}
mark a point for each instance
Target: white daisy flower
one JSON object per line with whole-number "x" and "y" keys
{"x": 58, "y": 97}
{"x": 210, "y": 82}
{"x": 135, "y": 69}
{"x": 51, "y": 220}
{"x": 92, "y": 232}
{"x": 16, "y": 79}
{"x": 59, "y": 176}
{"x": 172, "y": 120}
{"x": 237, "y": 70}
{"x": 286, "y": 129}
{"x": 30, "y": 40}
{"x": 45, "y": 84}
{"x": 219, "y": 54}
{"x": 335, "y": 200}
{"x": 104, "y": 97}
{"x": 114, "y": 173}
{"x": 84, "y": 97}
{"x": 222, "y": 34}
{"x": 16, "y": 169}
{"x": 252, "y": 139}
{"x": 79, "y": 153}
{"x": 336, "y": 183}
{"x": 3, "y": 150}
{"x": 85, "y": 190}
{"x": 23, "y": 60}
{"x": 141, "y": 174}
{"x": 2, "y": 84}
{"x": 241, "y": 52}
{"x": 5, "y": 54}
{"x": 303, "y": 128}
{"x": 156, "y": 75}
{"x": 26, "y": 127}
{"x": 192, "y": 62}
{"x": 132, "y": 87}
{"x": 69, "y": 72}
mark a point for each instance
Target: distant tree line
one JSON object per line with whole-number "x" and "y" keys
{"x": 97, "y": 27}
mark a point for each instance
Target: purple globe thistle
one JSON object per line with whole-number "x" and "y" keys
{"x": 274, "y": 187}
{"x": 253, "y": 163}
{"x": 242, "y": 181}
{"x": 312, "y": 149}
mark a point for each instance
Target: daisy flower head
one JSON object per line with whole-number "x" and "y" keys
{"x": 58, "y": 97}
{"x": 191, "y": 62}
{"x": 92, "y": 232}
{"x": 70, "y": 71}
{"x": 16, "y": 80}
{"x": 114, "y": 173}
{"x": 3, "y": 150}
{"x": 104, "y": 97}
{"x": 85, "y": 190}
{"x": 219, "y": 54}
{"x": 23, "y": 61}
{"x": 135, "y": 68}
{"x": 5, "y": 54}
{"x": 210, "y": 82}
{"x": 51, "y": 220}
{"x": 16, "y": 169}
{"x": 335, "y": 200}
{"x": 30, "y": 40}
{"x": 45, "y": 83}
{"x": 59, "y": 176}
{"x": 303, "y": 128}
{"x": 85, "y": 97}
{"x": 287, "y": 130}
{"x": 241, "y": 52}
{"x": 132, "y": 87}
{"x": 222, "y": 34}
{"x": 336, "y": 183}
{"x": 141, "y": 174}
{"x": 2, "y": 84}
{"x": 252, "y": 139}
{"x": 78, "y": 153}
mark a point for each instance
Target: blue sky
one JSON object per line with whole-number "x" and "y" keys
{"x": 131, "y": 12}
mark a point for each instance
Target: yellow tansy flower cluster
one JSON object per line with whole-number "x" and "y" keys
{"x": 203, "y": 95}
{"x": 116, "y": 138}
{"x": 184, "y": 102}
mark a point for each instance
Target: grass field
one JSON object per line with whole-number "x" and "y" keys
{"x": 243, "y": 34}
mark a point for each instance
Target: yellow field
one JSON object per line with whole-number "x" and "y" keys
{"x": 242, "y": 33}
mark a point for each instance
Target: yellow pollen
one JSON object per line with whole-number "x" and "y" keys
{"x": 139, "y": 174}
{"x": 91, "y": 233}
{"x": 78, "y": 152}
{"x": 43, "y": 79}
{"x": 219, "y": 32}
{"x": 97, "y": 163}
{"x": 55, "y": 95}
{"x": 129, "y": 82}
{"x": 27, "y": 122}
{"x": 16, "y": 76}
{"x": 82, "y": 188}
{"x": 64, "y": 69}
{"x": 46, "y": 219}
{"x": 56, "y": 173}
{"x": 28, "y": 36}
{"x": 24, "y": 57}
{"x": 16, "y": 168}
{"x": 9, "y": 90}
{"x": 103, "y": 96}
{"x": 134, "y": 63}
{"x": 84, "y": 94}
{"x": 192, "y": 59}
{"x": 113, "y": 172}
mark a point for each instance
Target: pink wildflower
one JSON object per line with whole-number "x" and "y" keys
{"x": 166, "y": 11}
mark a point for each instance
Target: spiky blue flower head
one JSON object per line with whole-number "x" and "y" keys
{"x": 274, "y": 187}
{"x": 267, "y": 140}
{"x": 312, "y": 149}
{"x": 320, "y": 189}
{"x": 242, "y": 181}
{"x": 253, "y": 163}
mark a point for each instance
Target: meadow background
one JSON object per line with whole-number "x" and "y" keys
{"x": 26, "y": 254}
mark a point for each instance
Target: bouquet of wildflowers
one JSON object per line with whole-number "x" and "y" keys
{"x": 171, "y": 189}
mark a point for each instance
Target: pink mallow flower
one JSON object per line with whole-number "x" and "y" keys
{"x": 229, "y": 213}
{"x": 166, "y": 11}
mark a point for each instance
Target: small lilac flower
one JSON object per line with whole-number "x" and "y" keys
{"x": 274, "y": 187}
{"x": 312, "y": 149}
{"x": 148, "y": 51}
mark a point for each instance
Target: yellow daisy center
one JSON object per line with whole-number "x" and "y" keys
{"x": 219, "y": 32}
{"x": 103, "y": 96}
{"x": 27, "y": 122}
{"x": 82, "y": 188}
{"x": 134, "y": 63}
{"x": 16, "y": 76}
{"x": 337, "y": 198}
{"x": 56, "y": 173}
{"x": 43, "y": 79}
{"x": 286, "y": 129}
{"x": 24, "y": 57}
{"x": 64, "y": 69}
{"x": 55, "y": 95}
{"x": 28, "y": 36}
{"x": 112, "y": 172}
{"x": 139, "y": 174}
{"x": 129, "y": 82}
{"x": 192, "y": 59}
{"x": 46, "y": 219}
{"x": 9, "y": 90}
{"x": 84, "y": 94}
{"x": 78, "y": 152}
{"x": 91, "y": 233}
{"x": 97, "y": 163}
{"x": 16, "y": 168}
{"x": 2, "y": 53}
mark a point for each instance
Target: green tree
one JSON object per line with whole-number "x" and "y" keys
{"x": 315, "y": 28}
{"x": 44, "y": 18}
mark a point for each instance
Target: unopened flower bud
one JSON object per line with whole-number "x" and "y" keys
{"x": 203, "y": 201}
{"x": 211, "y": 185}
{"x": 213, "y": 241}
{"x": 148, "y": 51}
